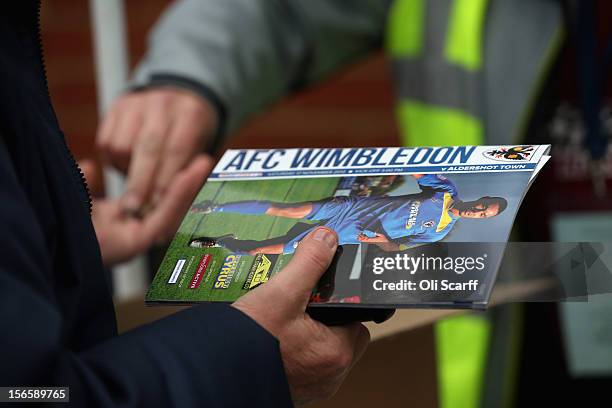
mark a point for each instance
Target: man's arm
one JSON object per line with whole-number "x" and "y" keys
{"x": 211, "y": 64}
{"x": 435, "y": 181}
{"x": 380, "y": 241}
{"x": 248, "y": 53}
{"x": 207, "y": 356}
{"x": 195, "y": 358}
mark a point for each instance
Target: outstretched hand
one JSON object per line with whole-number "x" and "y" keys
{"x": 122, "y": 236}
{"x": 152, "y": 135}
{"x": 316, "y": 357}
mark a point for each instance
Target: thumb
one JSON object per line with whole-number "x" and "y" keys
{"x": 312, "y": 258}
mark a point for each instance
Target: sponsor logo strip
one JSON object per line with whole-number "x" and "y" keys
{"x": 260, "y": 271}
{"x": 226, "y": 274}
{"x": 200, "y": 271}
{"x": 177, "y": 271}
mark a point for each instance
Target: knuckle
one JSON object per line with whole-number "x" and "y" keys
{"x": 315, "y": 254}
{"x": 163, "y": 98}
{"x": 175, "y": 150}
{"x": 344, "y": 359}
{"x": 314, "y": 259}
{"x": 336, "y": 360}
{"x": 102, "y": 142}
{"x": 120, "y": 104}
{"x": 191, "y": 102}
{"x": 135, "y": 189}
{"x": 151, "y": 142}
{"x": 119, "y": 150}
{"x": 127, "y": 102}
{"x": 193, "y": 108}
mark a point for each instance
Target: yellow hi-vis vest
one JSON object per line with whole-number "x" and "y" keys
{"x": 437, "y": 45}
{"x": 438, "y": 104}
{"x": 436, "y": 49}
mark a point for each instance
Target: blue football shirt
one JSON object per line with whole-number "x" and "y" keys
{"x": 417, "y": 218}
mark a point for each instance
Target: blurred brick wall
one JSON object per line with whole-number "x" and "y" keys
{"x": 353, "y": 108}
{"x": 69, "y": 58}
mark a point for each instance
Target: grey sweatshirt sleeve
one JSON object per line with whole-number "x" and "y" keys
{"x": 244, "y": 54}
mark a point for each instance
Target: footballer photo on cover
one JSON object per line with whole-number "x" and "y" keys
{"x": 244, "y": 227}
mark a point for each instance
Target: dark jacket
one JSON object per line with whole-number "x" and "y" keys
{"x": 57, "y": 319}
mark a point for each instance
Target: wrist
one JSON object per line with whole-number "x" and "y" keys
{"x": 212, "y": 103}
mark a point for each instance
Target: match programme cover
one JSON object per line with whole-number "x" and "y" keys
{"x": 417, "y": 227}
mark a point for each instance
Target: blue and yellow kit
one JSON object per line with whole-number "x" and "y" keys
{"x": 404, "y": 219}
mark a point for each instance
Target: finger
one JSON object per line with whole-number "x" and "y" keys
{"x": 145, "y": 157}
{"x": 126, "y": 124}
{"x": 122, "y": 146}
{"x": 164, "y": 220}
{"x": 184, "y": 141}
{"x": 361, "y": 343}
{"x": 348, "y": 334}
{"x": 355, "y": 337}
{"x": 105, "y": 130}
{"x": 311, "y": 260}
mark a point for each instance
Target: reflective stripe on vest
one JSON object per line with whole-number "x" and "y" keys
{"x": 437, "y": 46}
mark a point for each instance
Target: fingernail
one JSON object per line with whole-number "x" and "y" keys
{"x": 327, "y": 236}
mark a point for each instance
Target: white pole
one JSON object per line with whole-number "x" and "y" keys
{"x": 112, "y": 65}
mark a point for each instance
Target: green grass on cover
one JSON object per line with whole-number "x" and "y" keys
{"x": 243, "y": 226}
